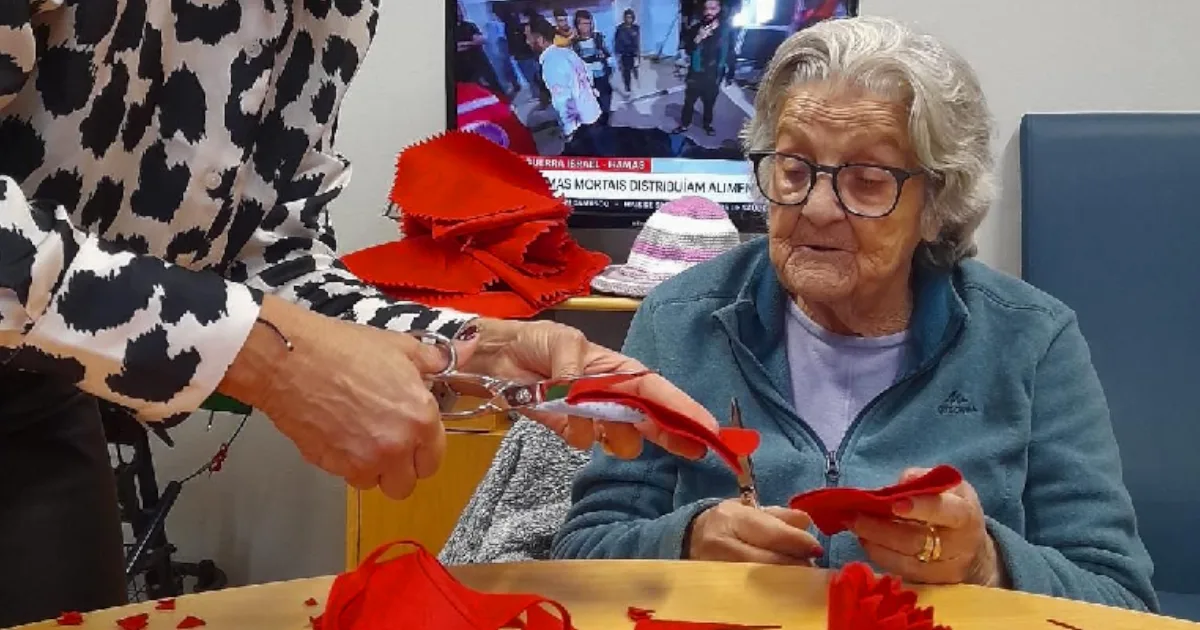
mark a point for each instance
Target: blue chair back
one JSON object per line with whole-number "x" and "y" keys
{"x": 1111, "y": 226}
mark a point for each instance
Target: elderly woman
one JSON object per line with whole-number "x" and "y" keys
{"x": 864, "y": 344}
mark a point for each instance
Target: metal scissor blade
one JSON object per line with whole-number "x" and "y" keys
{"x": 746, "y": 486}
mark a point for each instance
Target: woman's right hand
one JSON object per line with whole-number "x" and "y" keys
{"x": 733, "y": 532}
{"x": 351, "y": 397}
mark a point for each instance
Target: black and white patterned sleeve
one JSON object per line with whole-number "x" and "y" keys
{"x": 127, "y": 328}
{"x": 293, "y": 255}
{"x": 130, "y": 329}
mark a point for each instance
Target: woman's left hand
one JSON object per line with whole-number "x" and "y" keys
{"x": 528, "y": 351}
{"x": 935, "y": 539}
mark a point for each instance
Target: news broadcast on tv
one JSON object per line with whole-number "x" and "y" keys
{"x": 623, "y": 104}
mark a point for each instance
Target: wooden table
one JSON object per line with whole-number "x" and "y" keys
{"x": 597, "y": 594}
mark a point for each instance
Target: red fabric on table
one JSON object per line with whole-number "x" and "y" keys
{"x": 833, "y": 510}
{"x": 134, "y": 622}
{"x": 415, "y": 592}
{"x": 482, "y": 231}
{"x": 728, "y": 443}
{"x": 858, "y": 600}
{"x": 70, "y": 618}
{"x": 643, "y": 619}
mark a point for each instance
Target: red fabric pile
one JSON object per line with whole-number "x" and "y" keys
{"x": 483, "y": 233}
{"x": 415, "y": 592}
{"x": 860, "y": 601}
{"x": 833, "y": 510}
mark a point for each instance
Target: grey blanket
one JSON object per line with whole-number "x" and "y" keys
{"x": 522, "y": 501}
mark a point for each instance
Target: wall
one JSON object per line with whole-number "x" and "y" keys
{"x": 268, "y": 516}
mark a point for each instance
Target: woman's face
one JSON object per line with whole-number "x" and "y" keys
{"x": 822, "y": 253}
{"x": 584, "y": 27}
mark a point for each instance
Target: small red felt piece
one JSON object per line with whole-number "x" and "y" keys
{"x": 134, "y": 622}
{"x": 165, "y": 604}
{"x": 833, "y": 510}
{"x": 70, "y": 618}
{"x": 665, "y": 624}
{"x": 315, "y": 622}
{"x": 311, "y": 601}
{"x": 191, "y": 622}
{"x": 670, "y": 421}
{"x": 638, "y": 614}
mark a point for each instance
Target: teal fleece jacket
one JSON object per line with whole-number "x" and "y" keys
{"x": 998, "y": 382}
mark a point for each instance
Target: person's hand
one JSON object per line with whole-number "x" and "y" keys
{"x": 529, "y": 351}
{"x": 351, "y": 397}
{"x": 967, "y": 553}
{"x": 733, "y": 532}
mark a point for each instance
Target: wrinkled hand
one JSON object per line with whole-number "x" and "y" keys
{"x": 350, "y": 397}
{"x": 968, "y": 553}
{"x": 733, "y": 532}
{"x": 528, "y": 351}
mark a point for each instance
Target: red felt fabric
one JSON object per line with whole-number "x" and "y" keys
{"x": 165, "y": 604}
{"x": 858, "y": 600}
{"x": 71, "y": 618}
{"x": 415, "y": 592}
{"x": 134, "y": 622}
{"x": 833, "y": 510}
{"x": 483, "y": 233}
{"x": 191, "y": 621}
{"x": 729, "y": 443}
{"x": 643, "y": 619}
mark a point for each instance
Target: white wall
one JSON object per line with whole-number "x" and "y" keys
{"x": 268, "y": 516}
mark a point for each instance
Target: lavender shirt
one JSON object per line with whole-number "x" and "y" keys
{"x": 835, "y": 376}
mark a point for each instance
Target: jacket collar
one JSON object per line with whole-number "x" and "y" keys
{"x": 755, "y": 323}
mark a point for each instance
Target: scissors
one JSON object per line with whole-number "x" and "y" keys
{"x": 499, "y": 395}
{"x": 746, "y": 486}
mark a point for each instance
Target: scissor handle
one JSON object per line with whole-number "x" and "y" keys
{"x": 432, "y": 338}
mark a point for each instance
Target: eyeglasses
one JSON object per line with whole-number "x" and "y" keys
{"x": 866, "y": 190}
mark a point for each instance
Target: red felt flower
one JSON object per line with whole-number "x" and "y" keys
{"x": 858, "y": 600}
{"x": 71, "y": 618}
{"x": 165, "y": 604}
{"x": 834, "y": 509}
{"x": 415, "y": 592}
{"x": 190, "y": 622}
{"x": 134, "y": 622}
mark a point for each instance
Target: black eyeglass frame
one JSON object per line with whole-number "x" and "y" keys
{"x": 900, "y": 174}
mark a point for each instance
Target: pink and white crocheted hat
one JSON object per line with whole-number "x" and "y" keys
{"x": 680, "y": 234}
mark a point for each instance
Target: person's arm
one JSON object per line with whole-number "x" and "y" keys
{"x": 293, "y": 255}
{"x": 1081, "y": 540}
{"x": 557, "y": 76}
{"x": 624, "y": 508}
{"x": 126, "y": 328}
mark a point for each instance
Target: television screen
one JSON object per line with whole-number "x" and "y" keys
{"x": 622, "y": 104}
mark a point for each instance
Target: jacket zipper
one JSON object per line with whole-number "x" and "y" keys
{"x": 833, "y": 471}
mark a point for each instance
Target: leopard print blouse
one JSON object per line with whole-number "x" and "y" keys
{"x": 163, "y": 165}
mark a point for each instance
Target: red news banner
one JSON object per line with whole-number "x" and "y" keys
{"x": 630, "y": 179}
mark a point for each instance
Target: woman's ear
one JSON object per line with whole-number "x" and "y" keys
{"x": 931, "y": 227}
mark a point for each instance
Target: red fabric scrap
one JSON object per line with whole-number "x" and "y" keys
{"x": 833, "y": 510}
{"x": 134, "y": 622}
{"x": 414, "y": 591}
{"x": 165, "y": 604}
{"x": 316, "y": 622}
{"x": 483, "y": 232}
{"x": 645, "y": 620}
{"x": 858, "y": 600}
{"x": 191, "y": 621}
{"x": 729, "y": 443}
{"x": 311, "y": 601}
{"x": 70, "y": 618}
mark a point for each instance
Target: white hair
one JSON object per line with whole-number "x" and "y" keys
{"x": 949, "y": 124}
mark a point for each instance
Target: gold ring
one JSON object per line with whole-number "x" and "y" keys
{"x": 932, "y": 550}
